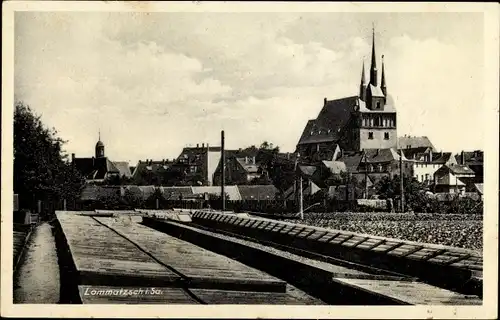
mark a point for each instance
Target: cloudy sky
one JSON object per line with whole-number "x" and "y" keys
{"x": 156, "y": 82}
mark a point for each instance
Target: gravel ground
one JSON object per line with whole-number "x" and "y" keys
{"x": 38, "y": 278}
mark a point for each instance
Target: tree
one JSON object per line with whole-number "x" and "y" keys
{"x": 41, "y": 168}
{"x": 415, "y": 195}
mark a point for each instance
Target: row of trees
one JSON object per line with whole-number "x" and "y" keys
{"x": 41, "y": 168}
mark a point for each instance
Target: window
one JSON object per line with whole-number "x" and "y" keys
{"x": 378, "y": 104}
{"x": 426, "y": 177}
{"x": 370, "y": 135}
{"x": 386, "y": 135}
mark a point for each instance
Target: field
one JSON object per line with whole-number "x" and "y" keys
{"x": 457, "y": 230}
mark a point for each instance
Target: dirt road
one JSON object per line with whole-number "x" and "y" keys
{"x": 38, "y": 278}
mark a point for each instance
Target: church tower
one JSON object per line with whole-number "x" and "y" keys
{"x": 375, "y": 98}
{"x": 99, "y": 148}
{"x": 383, "y": 85}
{"x": 362, "y": 85}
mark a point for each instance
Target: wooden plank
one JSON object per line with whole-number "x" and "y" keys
{"x": 241, "y": 297}
{"x": 317, "y": 234}
{"x": 97, "y": 250}
{"x": 201, "y": 266}
{"x": 340, "y": 238}
{"x": 415, "y": 293}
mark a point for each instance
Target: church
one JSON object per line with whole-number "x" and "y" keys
{"x": 353, "y": 124}
{"x": 99, "y": 168}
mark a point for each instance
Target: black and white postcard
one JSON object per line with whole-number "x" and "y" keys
{"x": 245, "y": 159}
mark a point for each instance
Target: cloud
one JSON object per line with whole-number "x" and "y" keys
{"x": 438, "y": 91}
{"x": 153, "y": 83}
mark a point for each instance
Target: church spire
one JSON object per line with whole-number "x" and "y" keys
{"x": 382, "y": 82}
{"x": 99, "y": 147}
{"x": 362, "y": 86}
{"x": 373, "y": 68}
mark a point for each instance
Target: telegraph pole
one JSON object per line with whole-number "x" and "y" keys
{"x": 223, "y": 170}
{"x": 301, "y": 200}
{"x": 401, "y": 180}
{"x": 366, "y": 177}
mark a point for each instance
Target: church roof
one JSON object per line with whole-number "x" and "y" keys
{"x": 334, "y": 116}
{"x": 331, "y": 120}
{"x": 375, "y": 91}
{"x": 99, "y": 144}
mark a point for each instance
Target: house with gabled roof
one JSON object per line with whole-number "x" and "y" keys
{"x": 425, "y": 162}
{"x": 411, "y": 142}
{"x": 152, "y": 172}
{"x": 474, "y": 160}
{"x": 453, "y": 178}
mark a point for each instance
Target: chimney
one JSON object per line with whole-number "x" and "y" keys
{"x": 253, "y": 159}
{"x": 203, "y": 145}
{"x": 324, "y": 101}
{"x": 93, "y": 162}
{"x": 72, "y": 158}
{"x": 246, "y": 160}
{"x": 462, "y": 158}
{"x": 430, "y": 156}
{"x": 197, "y": 145}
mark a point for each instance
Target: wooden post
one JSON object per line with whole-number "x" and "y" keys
{"x": 301, "y": 200}
{"x": 39, "y": 206}
{"x": 223, "y": 170}
{"x": 64, "y": 204}
{"x": 401, "y": 179}
{"x": 157, "y": 203}
{"x": 366, "y": 178}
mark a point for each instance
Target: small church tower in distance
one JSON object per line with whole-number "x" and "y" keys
{"x": 99, "y": 148}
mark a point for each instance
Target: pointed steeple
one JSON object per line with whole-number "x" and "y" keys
{"x": 373, "y": 67}
{"x": 382, "y": 82}
{"x": 362, "y": 86}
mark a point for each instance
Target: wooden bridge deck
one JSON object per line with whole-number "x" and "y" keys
{"x": 115, "y": 252}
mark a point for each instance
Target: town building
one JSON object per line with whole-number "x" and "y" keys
{"x": 426, "y": 162}
{"x": 239, "y": 170}
{"x": 411, "y": 142}
{"x": 364, "y": 121}
{"x": 473, "y": 160}
{"x": 99, "y": 168}
{"x": 453, "y": 178}
{"x": 153, "y": 172}
{"x": 198, "y": 164}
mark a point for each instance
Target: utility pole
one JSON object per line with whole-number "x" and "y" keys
{"x": 223, "y": 170}
{"x": 401, "y": 180}
{"x": 366, "y": 176}
{"x": 301, "y": 199}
